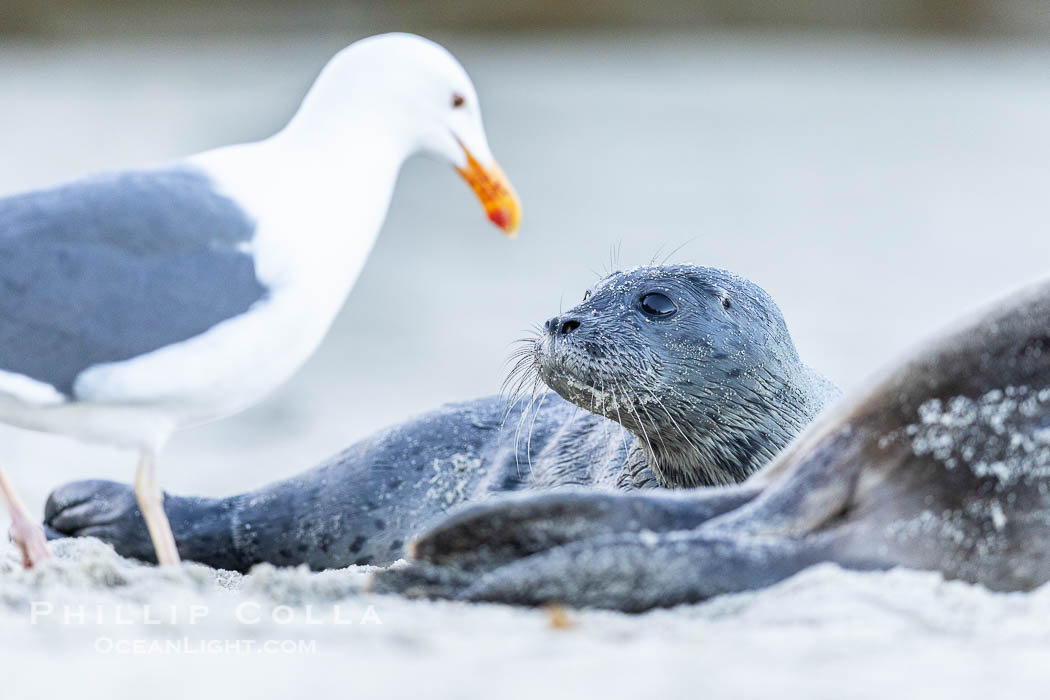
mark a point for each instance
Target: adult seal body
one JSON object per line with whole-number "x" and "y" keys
{"x": 942, "y": 464}
{"x": 695, "y": 363}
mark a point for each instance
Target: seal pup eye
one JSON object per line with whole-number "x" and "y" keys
{"x": 458, "y": 100}
{"x": 726, "y": 303}
{"x": 657, "y": 304}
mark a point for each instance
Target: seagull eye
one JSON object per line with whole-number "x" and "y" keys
{"x": 657, "y": 304}
{"x": 458, "y": 101}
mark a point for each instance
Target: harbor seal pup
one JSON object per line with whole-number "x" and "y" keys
{"x": 942, "y": 464}
{"x": 695, "y": 363}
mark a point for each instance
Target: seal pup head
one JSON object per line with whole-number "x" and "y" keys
{"x": 696, "y": 362}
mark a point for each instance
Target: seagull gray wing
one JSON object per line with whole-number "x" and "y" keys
{"x": 115, "y": 266}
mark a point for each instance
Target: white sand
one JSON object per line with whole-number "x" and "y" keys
{"x": 824, "y": 633}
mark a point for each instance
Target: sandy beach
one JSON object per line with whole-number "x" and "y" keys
{"x": 98, "y": 626}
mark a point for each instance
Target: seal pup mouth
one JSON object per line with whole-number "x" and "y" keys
{"x": 585, "y": 370}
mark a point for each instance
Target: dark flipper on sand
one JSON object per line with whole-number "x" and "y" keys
{"x": 488, "y": 535}
{"x": 627, "y": 571}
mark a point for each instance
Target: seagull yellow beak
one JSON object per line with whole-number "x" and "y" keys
{"x": 495, "y": 192}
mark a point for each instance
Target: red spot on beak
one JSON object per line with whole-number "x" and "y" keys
{"x": 499, "y": 217}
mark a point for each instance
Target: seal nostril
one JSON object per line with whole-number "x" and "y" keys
{"x": 569, "y": 326}
{"x": 551, "y": 325}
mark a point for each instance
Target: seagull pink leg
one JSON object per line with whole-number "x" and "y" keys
{"x": 25, "y": 531}
{"x": 151, "y": 503}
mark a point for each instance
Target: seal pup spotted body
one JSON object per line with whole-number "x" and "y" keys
{"x": 695, "y": 363}
{"x": 943, "y": 464}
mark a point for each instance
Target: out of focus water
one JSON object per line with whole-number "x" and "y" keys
{"x": 876, "y": 187}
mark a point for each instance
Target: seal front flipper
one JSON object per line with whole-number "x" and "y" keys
{"x": 109, "y": 511}
{"x": 488, "y": 535}
{"x": 631, "y": 572}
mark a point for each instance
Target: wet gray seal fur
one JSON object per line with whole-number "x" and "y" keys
{"x": 941, "y": 464}
{"x": 696, "y": 363}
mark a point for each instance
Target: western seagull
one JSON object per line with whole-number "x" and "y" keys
{"x": 140, "y": 302}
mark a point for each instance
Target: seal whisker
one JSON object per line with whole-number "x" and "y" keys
{"x": 521, "y": 422}
{"x": 517, "y": 433}
{"x": 629, "y": 405}
{"x": 518, "y": 376}
{"x": 614, "y": 258}
{"x": 660, "y": 403}
{"x": 610, "y": 397}
{"x": 525, "y": 369}
{"x": 655, "y": 426}
{"x": 532, "y": 427}
{"x": 697, "y": 450}
{"x": 516, "y": 356}
{"x": 677, "y": 250}
{"x": 619, "y": 419}
{"x": 518, "y": 364}
{"x": 659, "y": 249}
{"x": 645, "y": 435}
{"x": 513, "y": 398}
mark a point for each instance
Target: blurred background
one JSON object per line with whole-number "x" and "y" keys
{"x": 880, "y": 166}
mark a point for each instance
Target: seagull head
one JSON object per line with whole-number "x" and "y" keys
{"x": 416, "y": 90}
